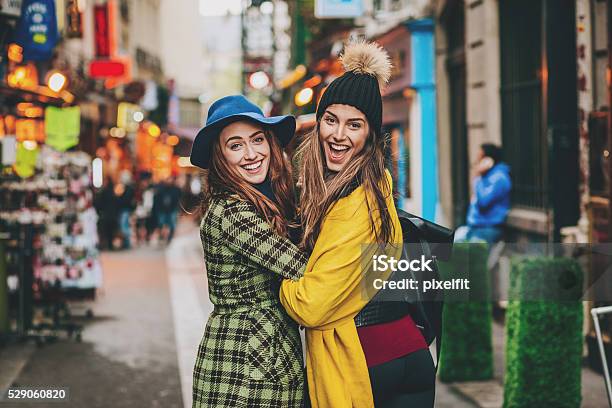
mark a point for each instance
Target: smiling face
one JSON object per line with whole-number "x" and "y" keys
{"x": 246, "y": 150}
{"x": 343, "y": 132}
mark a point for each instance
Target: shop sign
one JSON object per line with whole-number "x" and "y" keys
{"x": 338, "y": 8}
{"x": 107, "y": 69}
{"x": 102, "y": 31}
{"x": 62, "y": 126}
{"x": 144, "y": 150}
{"x": 125, "y": 116}
{"x": 25, "y": 160}
{"x": 30, "y": 129}
{"x": 36, "y": 31}
{"x": 10, "y": 7}
{"x": 162, "y": 161}
{"x": 23, "y": 76}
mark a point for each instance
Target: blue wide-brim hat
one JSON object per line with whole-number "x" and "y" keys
{"x": 231, "y": 109}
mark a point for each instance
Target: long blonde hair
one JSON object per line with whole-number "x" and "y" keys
{"x": 322, "y": 188}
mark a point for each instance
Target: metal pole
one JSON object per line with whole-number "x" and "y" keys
{"x": 595, "y": 312}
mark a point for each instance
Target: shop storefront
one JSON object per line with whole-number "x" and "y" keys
{"x": 397, "y": 101}
{"x": 48, "y": 222}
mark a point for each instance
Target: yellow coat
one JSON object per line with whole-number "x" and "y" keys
{"x": 330, "y": 295}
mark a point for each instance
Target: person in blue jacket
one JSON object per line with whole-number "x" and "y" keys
{"x": 490, "y": 202}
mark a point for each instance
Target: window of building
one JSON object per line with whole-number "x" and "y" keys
{"x": 523, "y": 136}
{"x": 454, "y": 26}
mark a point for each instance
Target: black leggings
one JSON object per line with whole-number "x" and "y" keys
{"x": 407, "y": 381}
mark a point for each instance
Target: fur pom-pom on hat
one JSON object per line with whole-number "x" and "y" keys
{"x": 368, "y": 69}
{"x": 368, "y": 58}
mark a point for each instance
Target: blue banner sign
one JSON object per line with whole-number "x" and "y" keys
{"x": 36, "y": 30}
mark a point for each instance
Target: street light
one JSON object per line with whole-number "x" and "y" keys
{"x": 19, "y": 78}
{"x": 117, "y": 132}
{"x": 172, "y": 140}
{"x": 97, "y": 172}
{"x": 138, "y": 116}
{"x": 154, "y": 130}
{"x": 56, "y": 81}
{"x": 304, "y": 96}
{"x": 259, "y": 80}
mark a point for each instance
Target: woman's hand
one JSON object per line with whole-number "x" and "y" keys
{"x": 484, "y": 165}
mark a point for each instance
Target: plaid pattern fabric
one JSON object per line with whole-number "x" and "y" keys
{"x": 250, "y": 354}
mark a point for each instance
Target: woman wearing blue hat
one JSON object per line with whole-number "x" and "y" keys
{"x": 250, "y": 354}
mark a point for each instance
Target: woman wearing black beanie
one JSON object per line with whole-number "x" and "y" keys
{"x": 346, "y": 202}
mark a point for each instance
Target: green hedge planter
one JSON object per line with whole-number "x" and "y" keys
{"x": 544, "y": 334}
{"x": 466, "y": 332}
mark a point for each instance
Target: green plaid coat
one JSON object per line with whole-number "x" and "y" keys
{"x": 250, "y": 354}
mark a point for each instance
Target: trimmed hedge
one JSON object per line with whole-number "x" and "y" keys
{"x": 544, "y": 334}
{"x": 467, "y": 349}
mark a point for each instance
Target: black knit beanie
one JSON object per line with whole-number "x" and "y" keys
{"x": 367, "y": 68}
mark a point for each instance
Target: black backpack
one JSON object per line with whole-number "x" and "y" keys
{"x": 421, "y": 238}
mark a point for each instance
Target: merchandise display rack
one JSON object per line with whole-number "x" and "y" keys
{"x": 18, "y": 235}
{"x": 49, "y": 238}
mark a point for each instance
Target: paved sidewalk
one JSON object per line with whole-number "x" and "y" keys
{"x": 490, "y": 394}
{"x": 190, "y": 303}
{"x": 128, "y": 354}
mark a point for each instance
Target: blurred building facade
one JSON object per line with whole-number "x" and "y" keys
{"x": 507, "y": 75}
{"x": 530, "y": 76}
{"x": 406, "y": 30}
{"x": 222, "y": 67}
{"x": 183, "y": 58}
{"x": 534, "y": 77}
{"x": 113, "y": 54}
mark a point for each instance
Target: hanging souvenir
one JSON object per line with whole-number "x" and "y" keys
{"x": 62, "y": 126}
{"x": 25, "y": 161}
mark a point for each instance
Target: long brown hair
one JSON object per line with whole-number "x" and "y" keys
{"x": 221, "y": 181}
{"x": 321, "y": 189}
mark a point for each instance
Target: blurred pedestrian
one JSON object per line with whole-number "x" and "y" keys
{"x": 490, "y": 202}
{"x": 167, "y": 203}
{"x": 355, "y": 359}
{"x": 124, "y": 191}
{"x": 144, "y": 210}
{"x": 105, "y": 203}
